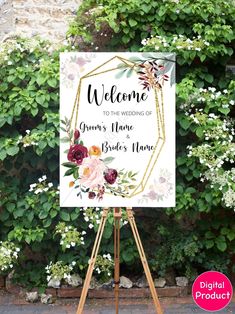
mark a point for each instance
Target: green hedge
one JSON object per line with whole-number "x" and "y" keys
{"x": 201, "y": 33}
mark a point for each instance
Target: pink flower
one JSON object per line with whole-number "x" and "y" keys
{"x": 91, "y": 172}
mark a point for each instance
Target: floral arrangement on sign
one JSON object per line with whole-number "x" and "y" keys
{"x": 90, "y": 172}
{"x": 151, "y": 71}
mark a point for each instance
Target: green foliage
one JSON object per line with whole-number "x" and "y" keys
{"x": 30, "y": 215}
{"x": 8, "y": 256}
{"x": 59, "y": 270}
{"x": 201, "y": 34}
{"x": 31, "y": 275}
{"x": 104, "y": 267}
{"x": 70, "y": 237}
{"x": 135, "y": 20}
{"x": 186, "y": 252}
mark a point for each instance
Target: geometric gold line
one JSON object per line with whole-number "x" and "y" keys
{"x": 159, "y": 116}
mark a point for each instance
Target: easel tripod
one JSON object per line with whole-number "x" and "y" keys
{"x": 117, "y": 213}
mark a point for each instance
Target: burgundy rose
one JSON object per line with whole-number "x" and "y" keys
{"x": 111, "y": 176}
{"x": 77, "y": 153}
{"x": 91, "y": 195}
{"x": 76, "y": 134}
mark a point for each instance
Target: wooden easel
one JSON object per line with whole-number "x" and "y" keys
{"x": 117, "y": 213}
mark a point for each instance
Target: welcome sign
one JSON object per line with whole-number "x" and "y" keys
{"x": 117, "y": 129}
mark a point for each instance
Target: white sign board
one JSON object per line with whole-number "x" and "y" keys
{"x": 117, "y": 129}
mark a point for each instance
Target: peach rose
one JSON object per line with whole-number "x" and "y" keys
{"x": 91, "y": 172}
{"x": 94, "y": 151}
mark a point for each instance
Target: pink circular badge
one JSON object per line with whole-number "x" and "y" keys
{"x": 212, "y": 291}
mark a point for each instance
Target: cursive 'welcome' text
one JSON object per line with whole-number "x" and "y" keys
{"x": 93, "y": 95}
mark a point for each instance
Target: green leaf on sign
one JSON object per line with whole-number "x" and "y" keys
{"x": 108, "y": 160}
{"x": 69, "y": 172}
{"x": 69, "y": 164}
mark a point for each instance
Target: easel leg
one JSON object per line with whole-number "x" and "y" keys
{"x": 144, "y": 260}
{"x": 92, "y": 261}
{"x": 117, "y": 216}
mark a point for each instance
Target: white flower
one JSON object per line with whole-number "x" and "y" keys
{"x": 83, "y": 232}
{"x": 27, "y": 131}
{"x": 74, "y": 263}
{"x": 50, "y": 184}
{"x": 44, "y": 177}
{"x": 15, "y": 254}
{"x": 73, "y": 244}
{"x": 9, "y": 62}
{"x": 48, "y": 278}
{"x": 86, "y": 218}
{"x": 67, "y": 246}
{"x": 38, "y": 191}
{"x": 144, "y": 42}
{"x": 109, "y": 256}
{"x": 91, "y": 226}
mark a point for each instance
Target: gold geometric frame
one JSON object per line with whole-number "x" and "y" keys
{"x": 160, "y": 116}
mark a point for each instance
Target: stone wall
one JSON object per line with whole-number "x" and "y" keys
{"x": 47, "y": 18}
{"x": 6, "y": 17}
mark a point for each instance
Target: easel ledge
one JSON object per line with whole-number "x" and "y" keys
{"x": 117, "y": 214}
